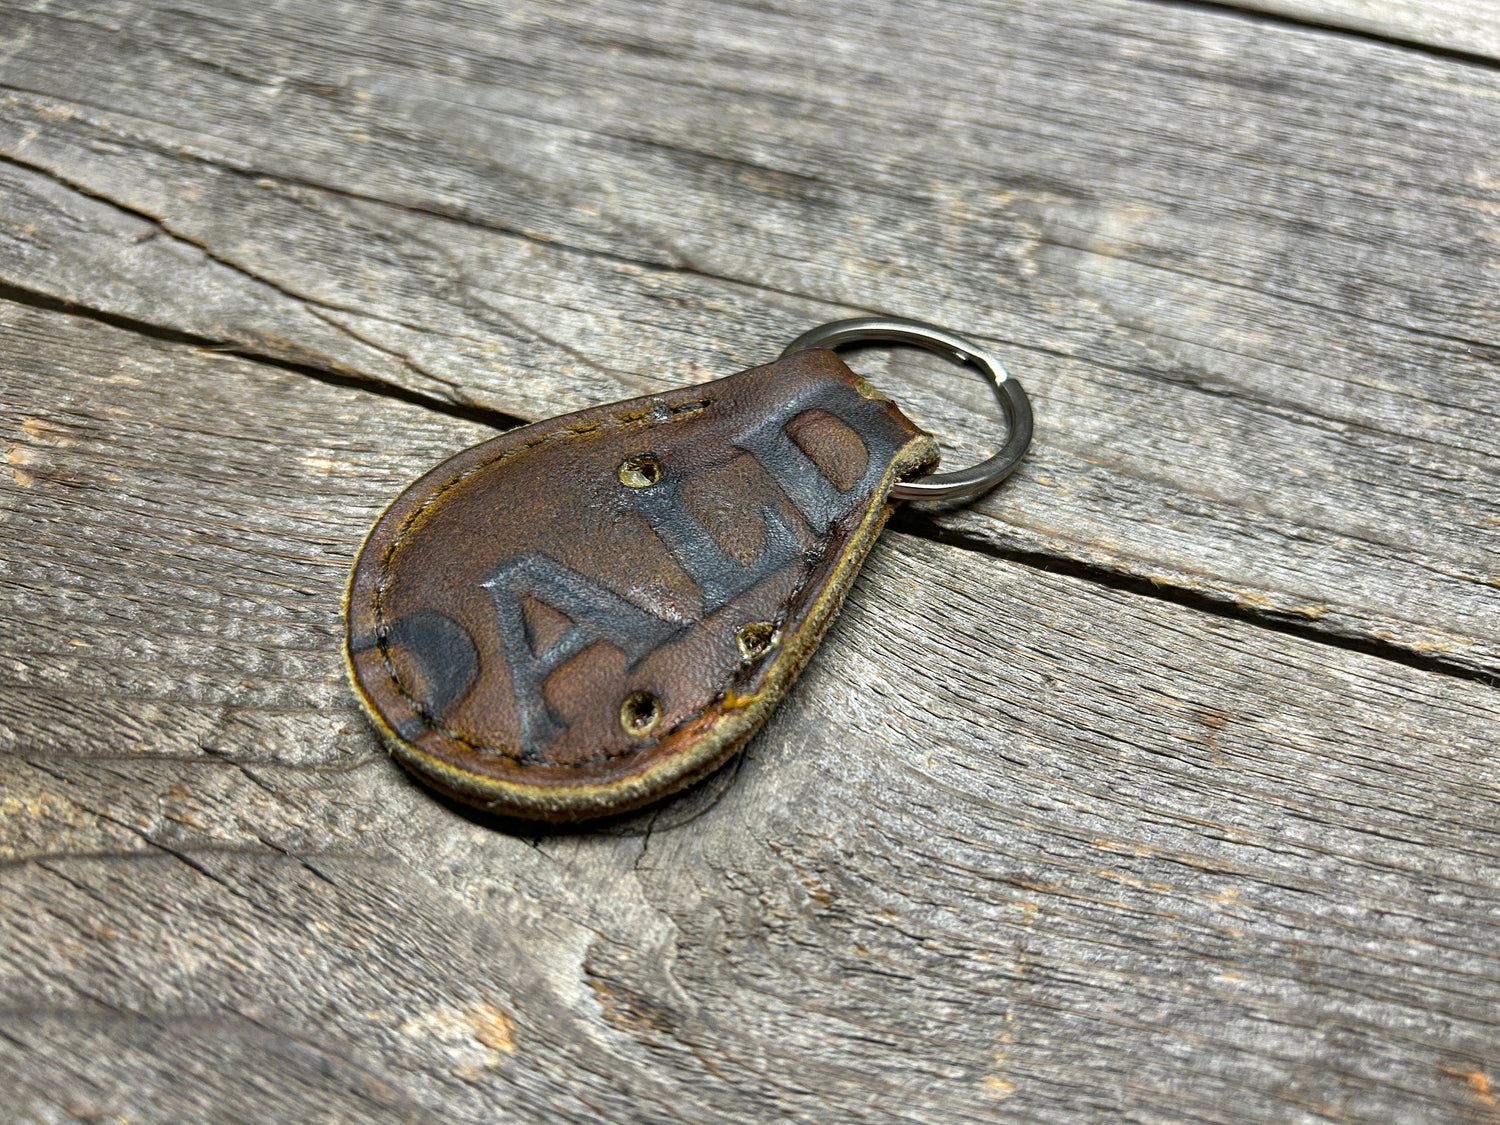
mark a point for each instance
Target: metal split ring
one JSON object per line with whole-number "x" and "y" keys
{"x": 965, "y": 484}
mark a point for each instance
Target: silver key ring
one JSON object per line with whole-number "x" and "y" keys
{"x": 976, "y": 480}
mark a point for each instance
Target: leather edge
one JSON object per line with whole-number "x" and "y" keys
{"x": 729, "y": 733}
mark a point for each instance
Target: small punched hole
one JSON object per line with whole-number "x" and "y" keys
{"x": 640, "y": 712}
{"x": 756, "y": 638}
{"x": 641, "y": 471}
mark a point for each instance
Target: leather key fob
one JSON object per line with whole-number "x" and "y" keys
{"x": 585, "y": 614}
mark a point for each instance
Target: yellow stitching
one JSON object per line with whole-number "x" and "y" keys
{"x": 417, "y": 709}
{"x": 811, "y": 559}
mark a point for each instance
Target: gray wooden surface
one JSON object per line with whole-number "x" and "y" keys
{"x": 1467, "y": 27}
{"x": 1161, "y": 784}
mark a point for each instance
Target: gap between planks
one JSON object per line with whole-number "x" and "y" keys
{"x": 908, "y": 520}
{"x": 1308, "y": 21}
{"x": 671, "y": 262}
{"x": 468, "y": 412}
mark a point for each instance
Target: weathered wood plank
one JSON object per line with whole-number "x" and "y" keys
{"x": 230, "y": 578}
{"x": 1248, "y": 293}
{"x": 1470, "y": 26}
{"x": 1018, "y": 846}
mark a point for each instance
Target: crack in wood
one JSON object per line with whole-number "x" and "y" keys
{"x": 1284, "y": 18}
{"x": 923, "y": 526}
{"x": 342, "y": 377}
{"x": 906, "y": 521}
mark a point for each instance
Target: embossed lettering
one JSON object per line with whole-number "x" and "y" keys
{"x": 818, "y": 499}
{"x": 719, "y": 577}
{"x": 596, "y": 614}
{"x": 443, "y": 652}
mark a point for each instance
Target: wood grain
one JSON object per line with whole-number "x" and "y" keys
{"x": 1469, "y": 26}
{"x": 1018, "y": 846}
{"x": 1161, "y": 785}
{"x": 1243, "y": 267}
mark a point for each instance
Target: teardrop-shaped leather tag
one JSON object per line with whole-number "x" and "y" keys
{"x": 587, "y": 613}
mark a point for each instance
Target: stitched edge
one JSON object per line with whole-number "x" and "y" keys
{"x": 383, "y": 577}
{"x": 559, "y": 803}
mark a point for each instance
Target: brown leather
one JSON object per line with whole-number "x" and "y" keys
{"x": 587, "y": 613}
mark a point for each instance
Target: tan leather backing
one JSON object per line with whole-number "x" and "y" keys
{"x": 585, "y": 614}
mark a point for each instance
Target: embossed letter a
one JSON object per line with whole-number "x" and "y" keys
{"x": 596, "y": 613}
